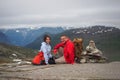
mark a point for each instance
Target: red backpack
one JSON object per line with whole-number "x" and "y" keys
{"x": 38, "y": 59}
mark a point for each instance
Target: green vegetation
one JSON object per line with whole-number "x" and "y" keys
{"x": 8, "y": 52}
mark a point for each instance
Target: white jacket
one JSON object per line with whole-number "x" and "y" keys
{"x": 46, "y": 49}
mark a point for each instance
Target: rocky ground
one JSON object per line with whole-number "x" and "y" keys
{"x": 87, "y": 71}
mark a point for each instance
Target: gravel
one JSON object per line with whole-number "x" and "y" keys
{"x": 87, "y": 71}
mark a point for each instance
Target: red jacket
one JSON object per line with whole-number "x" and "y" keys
{"x": 68, "y": 51}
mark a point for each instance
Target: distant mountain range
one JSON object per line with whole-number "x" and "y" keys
{"x": 4, "y": 38}
{"x": 24, "y": 36}
{"x": 107, "y": 39}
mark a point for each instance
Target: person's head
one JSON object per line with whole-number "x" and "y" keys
{"x": 78, "y": 41}
{"x": 47, "y": 39}
{"x": 64, "y": 38}
{"x": 92, "y": 43}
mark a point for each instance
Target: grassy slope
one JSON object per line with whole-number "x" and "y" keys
{"x": 7, "y": 50}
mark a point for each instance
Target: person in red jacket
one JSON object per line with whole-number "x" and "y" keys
{"x": 68, "y": 49}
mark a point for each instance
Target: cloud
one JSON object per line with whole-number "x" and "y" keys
{"x": 59, "y": 12}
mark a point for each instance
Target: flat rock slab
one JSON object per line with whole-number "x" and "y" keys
{"x": 89, "y": 71}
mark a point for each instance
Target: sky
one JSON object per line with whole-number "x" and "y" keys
{"x": 77, "y": 13}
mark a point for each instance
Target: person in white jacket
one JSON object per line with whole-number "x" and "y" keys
{"x": 46, "y": 48}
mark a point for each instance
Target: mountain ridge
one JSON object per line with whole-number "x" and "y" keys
{"x": 4, "y": 38}
{"x": 23, "y": 36}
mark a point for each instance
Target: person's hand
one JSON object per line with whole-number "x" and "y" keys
{"x": 55, "y": 51}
